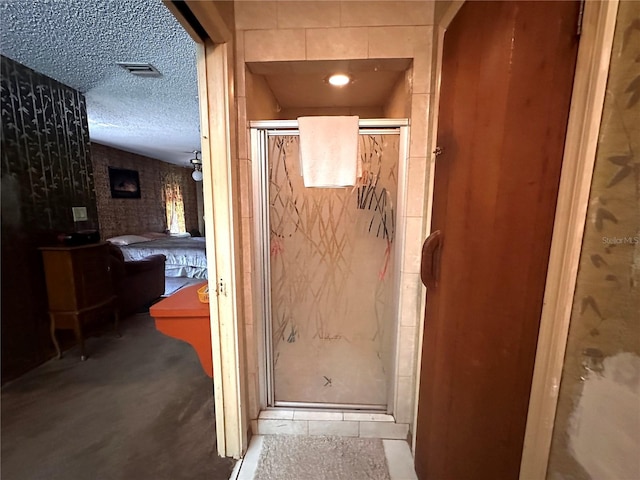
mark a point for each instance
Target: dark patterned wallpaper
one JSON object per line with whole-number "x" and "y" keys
{"x": 123, "y": 216}
{"x": 46, "y": 170}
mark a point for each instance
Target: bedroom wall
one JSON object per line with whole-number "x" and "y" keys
{"x": 122, "y": 216}
{"x": 46, "y": 170}
{"x": 597, "y": 425}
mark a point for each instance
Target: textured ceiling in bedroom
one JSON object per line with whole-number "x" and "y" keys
{"x": 78, "y": 43}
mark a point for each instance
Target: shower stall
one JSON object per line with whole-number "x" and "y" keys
{"x": 328, "y": 271}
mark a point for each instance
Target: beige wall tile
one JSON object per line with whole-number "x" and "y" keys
{"x": 261, "y": 103}
{"x": 252, "y": 394}
{"x": 423, "y": 59}
{"x": 410, "y": 297}
{"x": 293, "y": 113}
{"x": 248, "y": 311}
{"x": 308, "y": 14}
{"x": 422, "y": 73}
{"x": 406, "y": 351}
{"x": 399, "y": 103}
{"x": 380, "y": 13}
{"x": 362, "y": 112}
{"x": 404, "y": 400}
{"x": 317, "y": 416}
{"x": 419, "y": 125}
{"x": 423, "y": 39}
{"x": 283, "y": 427}
{"x": 274, "y": 45}
{"x": 367, "y": 417}
{"x": 391, "y": 42}
{"x": 342, "y": 429}
{"x": 240, "y": 66}
{"x": 254, "y": 15}
{"x": 279, "y": 414}
{"x": 413, "y": 245}
{"x": 416, "y": 185}
{"x": 384, "y": 430}
{"x": 243, "y": 133}
{"x": 337, "y": 43}
{"x": 245, "y": 188}
{"x": 247, "y": 252}
{"x": 251, "y": 349}
{"x": 367, "y": 112}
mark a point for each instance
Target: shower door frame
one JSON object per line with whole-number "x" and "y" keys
{"x": 259, "y": 137}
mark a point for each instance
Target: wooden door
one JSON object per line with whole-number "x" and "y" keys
{"x": 507, "y": 76}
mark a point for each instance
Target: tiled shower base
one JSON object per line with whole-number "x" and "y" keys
{"x": 337, "y": 372}
{"x": 345, "y": 424}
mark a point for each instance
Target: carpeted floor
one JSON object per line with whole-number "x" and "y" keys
{"x": 321, "y": 458}
{"x": 139, "y": 408}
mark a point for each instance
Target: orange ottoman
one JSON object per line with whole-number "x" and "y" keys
{"x": 183, "y": 316}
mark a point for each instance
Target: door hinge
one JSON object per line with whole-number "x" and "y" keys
{"x": 438, "y": 151}
{"x": 221, "y": 287}
{"x": 580, "y": 18}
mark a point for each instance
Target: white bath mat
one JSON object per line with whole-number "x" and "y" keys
{"x": 291, "y": 457}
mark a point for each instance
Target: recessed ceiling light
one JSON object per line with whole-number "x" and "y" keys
{"x": 339, "y": 79}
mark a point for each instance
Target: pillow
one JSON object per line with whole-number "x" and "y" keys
{"x": 127, "y": 239}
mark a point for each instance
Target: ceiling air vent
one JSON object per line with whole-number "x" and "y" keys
{"x": 140, "y": 69}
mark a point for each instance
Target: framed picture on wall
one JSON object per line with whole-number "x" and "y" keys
{"x": 124, "y": 183}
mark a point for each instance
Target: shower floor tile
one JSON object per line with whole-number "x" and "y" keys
{"x": 338, "y": 372}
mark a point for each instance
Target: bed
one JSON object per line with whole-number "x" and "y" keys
{"x": 186, "y": 255}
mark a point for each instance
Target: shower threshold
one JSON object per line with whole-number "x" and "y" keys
{"x": 332, "y": 406}
{"x": 290, "y": 421}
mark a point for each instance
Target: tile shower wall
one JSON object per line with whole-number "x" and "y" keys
{"x": 46, "y": 170}
{"x": 597, "y": 427}
{"x": 317, "y": 30}
{"x": 122, "y": 216}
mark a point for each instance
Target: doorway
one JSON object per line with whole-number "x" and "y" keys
{"x": 330, "y": 279}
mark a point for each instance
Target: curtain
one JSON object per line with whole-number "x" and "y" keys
{"x": 173, "y": 202}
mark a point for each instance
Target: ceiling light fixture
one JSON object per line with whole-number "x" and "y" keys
{"x": 197, "y": 167}
{"x": 339, "y": 79}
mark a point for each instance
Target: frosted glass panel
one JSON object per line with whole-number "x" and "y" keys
{"x": 332, "y": 277}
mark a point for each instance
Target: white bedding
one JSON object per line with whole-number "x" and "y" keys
{"x": 186, "y": 257}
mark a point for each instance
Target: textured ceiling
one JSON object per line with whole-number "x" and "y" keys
{"x": 78, "y": 43}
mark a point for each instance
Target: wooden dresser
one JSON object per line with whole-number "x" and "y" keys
{"x": 79, "y": 287}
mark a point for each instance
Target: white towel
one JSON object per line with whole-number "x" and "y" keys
{"x": 329, "y": 151}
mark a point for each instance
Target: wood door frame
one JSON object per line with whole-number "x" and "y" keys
{"x": 206, "y": 26}
{"x": 592, "y": 68}
{"x": 587, "y": 102}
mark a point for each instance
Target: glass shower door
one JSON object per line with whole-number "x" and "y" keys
{"x": 331, "y": 278}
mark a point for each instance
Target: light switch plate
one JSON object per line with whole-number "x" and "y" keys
{"x": 79, "y": 214}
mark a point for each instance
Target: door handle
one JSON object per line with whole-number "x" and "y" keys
{"x": 430, "y": 263}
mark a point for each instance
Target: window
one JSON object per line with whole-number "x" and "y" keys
{"x": 174, "y": 203}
